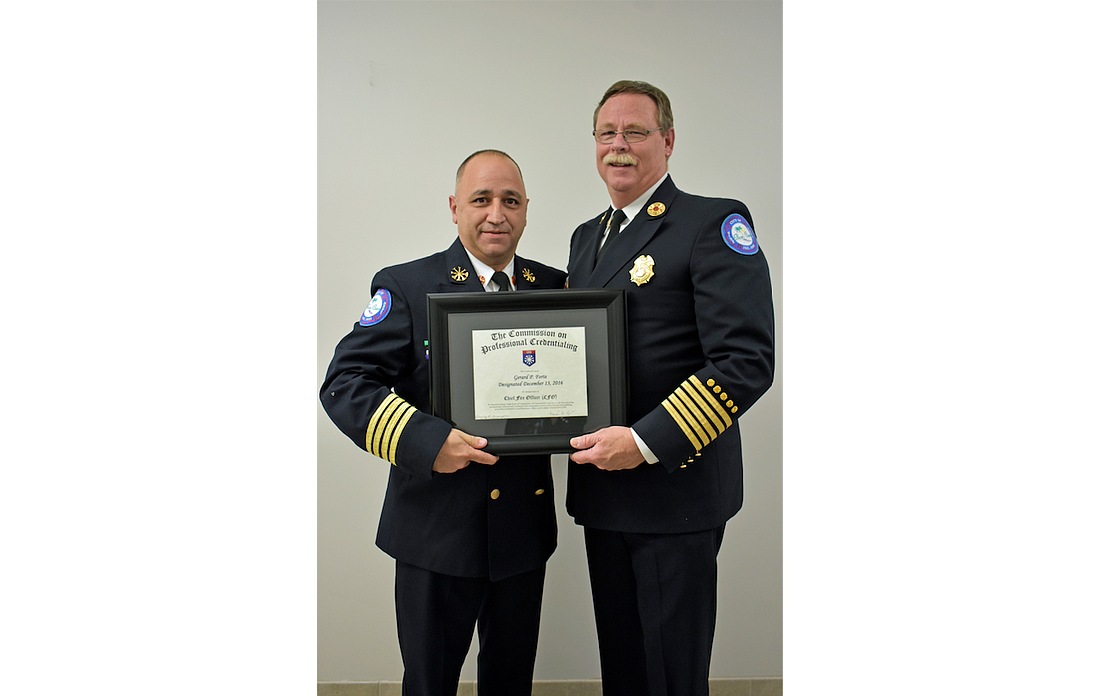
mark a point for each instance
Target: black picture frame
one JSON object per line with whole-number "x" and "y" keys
{"x": 452, "y": 317}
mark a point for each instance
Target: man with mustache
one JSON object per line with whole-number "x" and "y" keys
{"x": 654, "y": 497}
{"x": 471, "y": 533}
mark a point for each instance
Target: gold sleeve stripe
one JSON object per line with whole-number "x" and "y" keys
{"x": 698, "y": 413}
{"x": 397, "y": 433}
{"x": 683, "y": 426}
{"x": 703, "y": 431}
{"x": 717, "y": 407}
{"x": 387, "y": 431}
{"x": 378, "y": 420}
{"x": 705, "y": 407}
{"x": 684, "y": 404}
{"x": 386, "y": 425}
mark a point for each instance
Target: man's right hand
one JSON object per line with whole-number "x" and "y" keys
{"x": 459, "y": 451}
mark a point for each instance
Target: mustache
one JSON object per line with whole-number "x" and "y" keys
{"x": 619, "y": 158}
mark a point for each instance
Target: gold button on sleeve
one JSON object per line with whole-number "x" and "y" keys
{"x": 495, "y": 494}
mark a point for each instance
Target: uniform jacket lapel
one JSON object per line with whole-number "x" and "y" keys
{"x": 458, "y": 275}
{"x": 634, "y": 237}
{"x": 587, "y": 246}
{"x": 526, "y": 274}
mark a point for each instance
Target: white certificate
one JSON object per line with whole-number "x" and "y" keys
{"x": 529, "y": 373}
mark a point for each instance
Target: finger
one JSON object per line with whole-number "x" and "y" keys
{"x": 480, "y": 457}
{"x": 472, "y": 440}
{"x": 582, "y": 457}
{"x": 583, "y": 442}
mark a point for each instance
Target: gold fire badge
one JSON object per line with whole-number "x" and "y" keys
{"x": 642, "y": 271}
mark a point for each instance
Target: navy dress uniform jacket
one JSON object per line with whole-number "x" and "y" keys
{"x": 483, "y": 521}
{"x": 701, "y": 350}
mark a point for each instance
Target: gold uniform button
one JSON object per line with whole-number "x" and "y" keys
{"x": 540, "y": 491}
{"x": 495, "y": 494}
{"x": 724, "y": 396}
{"x": 710, "y": 382}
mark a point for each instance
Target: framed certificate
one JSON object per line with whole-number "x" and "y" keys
{"x": 528, "y": 370}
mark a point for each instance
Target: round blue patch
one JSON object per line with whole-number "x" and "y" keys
{"x": 738, "y": 235}
{"x": 378, "y": 308}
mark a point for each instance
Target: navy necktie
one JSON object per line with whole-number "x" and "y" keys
{"x": 612, "y": 230}
{"x": 502, "y": 281}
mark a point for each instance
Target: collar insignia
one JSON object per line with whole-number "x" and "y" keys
{"x": 528, "y": 275}
{"x": 458, "y": 273}
{"x": 656, "y": 209}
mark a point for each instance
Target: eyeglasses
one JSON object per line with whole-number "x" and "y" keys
{"x": 630, "y": 136}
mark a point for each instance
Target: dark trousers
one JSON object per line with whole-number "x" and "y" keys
{"x": 655, "y": 599}
{"x": 436, "y": 615}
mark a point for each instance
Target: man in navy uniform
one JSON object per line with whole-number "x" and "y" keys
{"x": 470, "y": 533}
{"x": 654, "y": 498}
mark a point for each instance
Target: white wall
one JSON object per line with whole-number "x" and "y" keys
{"x": 406, "y": 90}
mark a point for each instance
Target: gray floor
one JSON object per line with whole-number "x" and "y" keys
{"x": 718, "y": 687}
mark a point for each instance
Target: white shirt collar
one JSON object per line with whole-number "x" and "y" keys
{"x": 635, "y": 206}
{"x": 485, "y": 273}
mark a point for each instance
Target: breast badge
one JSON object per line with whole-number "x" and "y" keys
{"x": 642, "y": 271}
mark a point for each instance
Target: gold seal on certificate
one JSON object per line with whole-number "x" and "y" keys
{"x": 529, "y": 373}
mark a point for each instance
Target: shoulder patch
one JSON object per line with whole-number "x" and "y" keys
{"x": 378, "y": 308}
{"x": 738, "y": 235}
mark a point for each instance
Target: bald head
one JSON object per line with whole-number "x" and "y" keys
{"x": 479, "y": 153}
